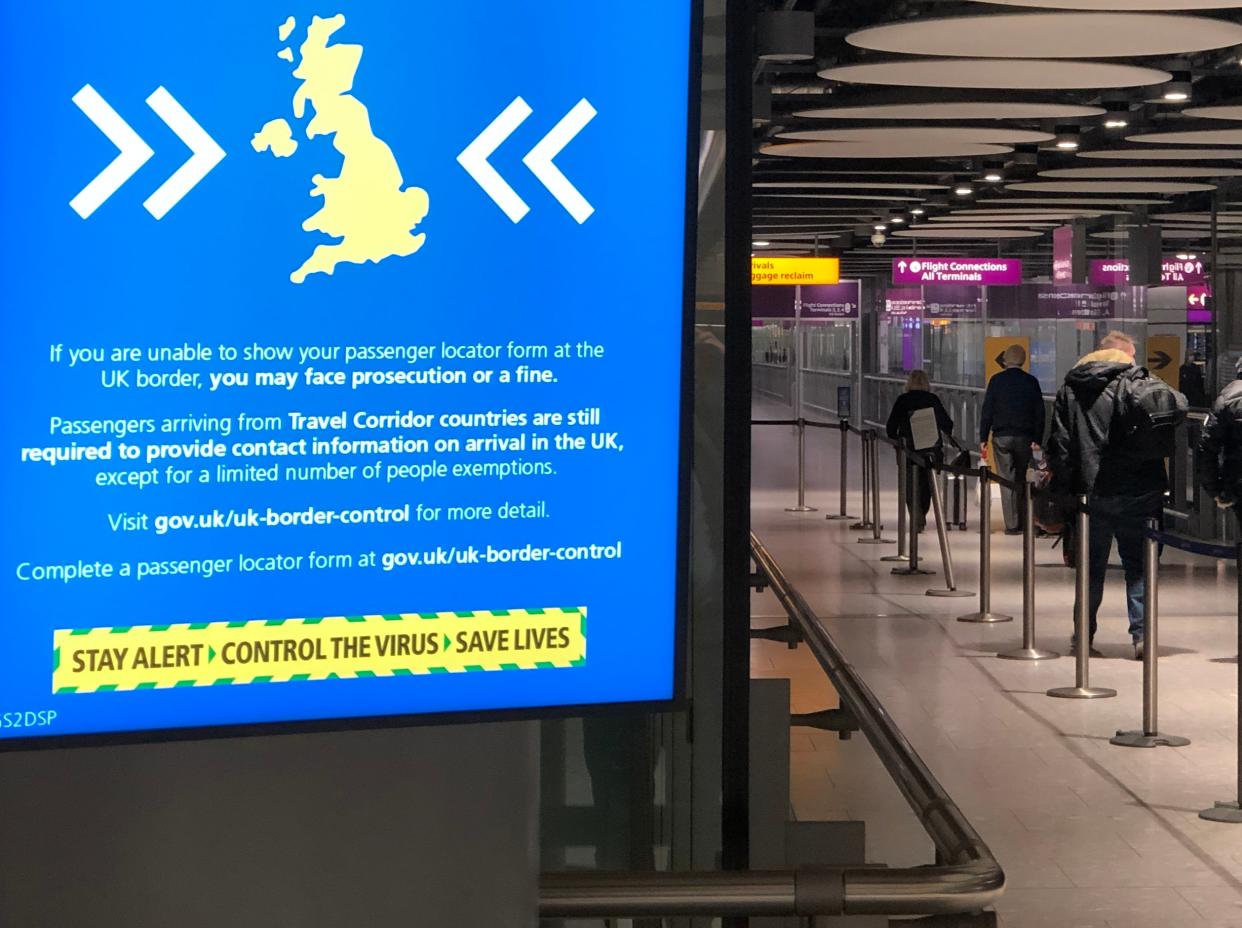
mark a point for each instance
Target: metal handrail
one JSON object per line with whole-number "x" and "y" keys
{"x": 965, "y": 878}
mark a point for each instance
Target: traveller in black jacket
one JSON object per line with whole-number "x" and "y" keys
{"x": 918, "y": 396}
{"x": 1220, "y": 446}
{"x": 1013, "y": 416}
{"x": 1088, "y": 458}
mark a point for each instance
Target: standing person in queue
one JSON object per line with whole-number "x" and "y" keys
{"x": 1013, "y": 416}
{"x": 1190, "y": 376}
{"x": 1220, "y": 447}
{"x": 918, "y": 396}
{"x": 1112, "y": 427}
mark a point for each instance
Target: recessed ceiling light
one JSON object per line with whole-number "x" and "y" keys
{"x": 896, "y": 220}
{"x": 1116, "y": 123}
{"x": 1177, "y": 90}
{"x": 1068, "y": 138}
{"x": 963, "y": 190}
{"x": 760, "y": 244}
{"x": 994, "y": 177}
{"x": 880, "y": 227}
{"x": 917, "y": 211}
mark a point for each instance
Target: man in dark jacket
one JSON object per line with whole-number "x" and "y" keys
{"x": 1013, "y": 416}
{"x": 1220, "y": 446}
{"x": 1089, "y": 457}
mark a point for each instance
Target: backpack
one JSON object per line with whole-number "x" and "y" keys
{"x": 1150, "y": 414}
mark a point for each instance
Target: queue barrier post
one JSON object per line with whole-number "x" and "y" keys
{"x": 914, "y": 484}
{"x": 1150, "y": 735}
{"x": 1230, "y": 812}
{"x": 845, "y": 471}
{"x": 1082, "y": 688}
{"x": 802, "y": 506}
{"x": 901, "y": 556}
{"x": 946, "y": 554}
{"x": 869, "y": 518}
{"x": 1028, "y": 651}
{"x": 985, "y": 615}
{"x": 872, "y": 449}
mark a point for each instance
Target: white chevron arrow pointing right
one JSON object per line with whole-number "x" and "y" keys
{"x": 206, "y": 153}
{"x": 134, "y": 152}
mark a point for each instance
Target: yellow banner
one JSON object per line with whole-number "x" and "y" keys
{"x": 787, "y": 272}
{"x": 994, "y": 347}
{"x": 148, "y": 657}
{"x": 1164, "y": 358}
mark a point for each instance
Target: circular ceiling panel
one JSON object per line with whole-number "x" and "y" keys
{"x": 1138, "y": 171}
{"x": 1174, "y": 234}
{"x": 1050, "y": 35}
{"x": 963, "y": 110}
{"x": 1122, "y": 5}
{"x": 968, "y": 232}
{"x": 1204, "y": 137}
{"x": 865, "y": 185}
{"x": 1071, "y": 205}
{"x": 1224, "y": 216}
{"x": 1110, "y": 186}
{"x": 1029, "y": 74}
{"x": 1214, "y": 112}
{"x": 882, "y": 197}
{"x": 1040, "y": 213}
{"x": 881, "y": 150}
{"x": 1162, "y": 154}
{"x": 929, "y": 136}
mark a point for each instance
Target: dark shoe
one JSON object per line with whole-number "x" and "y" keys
{"x": 1093, "y": 651}
{"x": 1013, "y": 531}
{"x": 1139, "y": 649}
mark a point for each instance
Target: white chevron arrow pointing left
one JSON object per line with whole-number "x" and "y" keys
{"x": 206, "y": 154}
{"x": 540, "y": 161}
{"x": 133, "y": 152}
{"x": 474, "y": 160}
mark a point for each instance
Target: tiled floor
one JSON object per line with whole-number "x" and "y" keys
{"x": 1089, "y": 834}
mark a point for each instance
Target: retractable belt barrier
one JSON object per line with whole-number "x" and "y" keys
{"x": 1229, "y": 812}
{"x": 1149, "y": 736}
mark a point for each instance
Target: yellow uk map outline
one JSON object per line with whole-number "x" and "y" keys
{"x": 367, "y": 207}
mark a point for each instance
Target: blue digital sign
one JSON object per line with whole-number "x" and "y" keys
{"x": 342, "y": 361}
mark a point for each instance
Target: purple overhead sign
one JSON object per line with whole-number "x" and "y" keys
{"x": 952, "y": 302}
{"x": 1112, "y": 272}
{"x": 830, "y": 301}
{"x": 992, "y": 272}
{"x": 1050, "y": 301}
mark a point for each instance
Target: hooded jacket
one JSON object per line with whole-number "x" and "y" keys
{"x": 1081, "y": 451}
{"x": 1220, "y": 445}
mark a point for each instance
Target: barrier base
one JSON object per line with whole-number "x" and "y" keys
{"x": 840, "y": 518}
{"x": 898, "y": 558}
{"x": 985, "y": 618}
{"x": 1229, "y": 813}
{"x": 950, "y": 594}
{"x": 911, "y": 572}
{"x": 1028, "y": 654}
{"x": 801, "y": 509}
{"x": 1140, "y": 739}
{"x": 877, "y": 541}
{"x": 863, "y": 527}
{"x": 1082, "y": 692}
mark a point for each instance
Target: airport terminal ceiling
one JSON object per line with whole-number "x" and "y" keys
{"x": 993, "y": 123}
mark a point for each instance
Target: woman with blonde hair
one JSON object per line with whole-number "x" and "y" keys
{"x": 918, "y": 396}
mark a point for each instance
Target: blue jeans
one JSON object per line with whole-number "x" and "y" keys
{"x": 1123, "y": 518}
